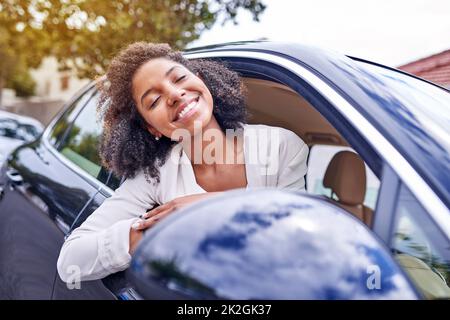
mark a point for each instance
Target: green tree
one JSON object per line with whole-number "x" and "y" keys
{"x": 83, "y": 35}
{"x": 22, "y": 82}
{"x": 88, "y": 33}
{"x": 23, "y": 44}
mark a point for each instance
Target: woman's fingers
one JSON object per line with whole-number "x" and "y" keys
{"x": 144, "y": 224}
{"x": 155, "y": 211}
{"x": 147, "y": 223}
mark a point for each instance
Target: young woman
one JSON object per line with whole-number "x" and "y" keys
{"x": 176, "y": 130}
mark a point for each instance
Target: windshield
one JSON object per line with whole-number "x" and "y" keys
{"x": 426, "y": 103}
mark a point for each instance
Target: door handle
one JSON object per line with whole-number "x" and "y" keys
{"x": 41, "y": 156}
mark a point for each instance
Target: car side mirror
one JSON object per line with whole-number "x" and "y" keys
{"x": 265, "y": 244}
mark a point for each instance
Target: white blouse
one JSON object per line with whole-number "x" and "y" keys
{"x": 274, "y": 157}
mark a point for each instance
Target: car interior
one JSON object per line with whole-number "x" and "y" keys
{"x": 275, "y": 104}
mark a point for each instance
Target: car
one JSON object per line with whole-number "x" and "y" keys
{"x": 378, "y": 171}
{"x": 15, "y": 130}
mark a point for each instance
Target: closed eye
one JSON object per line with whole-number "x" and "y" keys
{"x": 154, "y": 102}
{"x": 180, "y": 78}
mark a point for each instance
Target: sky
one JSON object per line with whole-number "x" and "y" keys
{"x": 391, "y": 32}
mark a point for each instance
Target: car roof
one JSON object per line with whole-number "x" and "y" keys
{"x": 345, "y": 75}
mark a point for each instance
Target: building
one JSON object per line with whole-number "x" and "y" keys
{"x": 53, "y": 88}
{"x": 435, "y": 68}
{"x": 52, "y": 84}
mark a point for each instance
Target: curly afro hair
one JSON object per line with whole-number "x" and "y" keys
{"x": 126, "y": 147}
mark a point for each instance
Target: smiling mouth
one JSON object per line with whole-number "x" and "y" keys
{"x": 192, "y": 105}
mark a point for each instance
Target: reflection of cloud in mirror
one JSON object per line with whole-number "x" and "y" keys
{"x": 288, "y": 249}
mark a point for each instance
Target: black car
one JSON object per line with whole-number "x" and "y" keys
{"x": 392, "y": 125}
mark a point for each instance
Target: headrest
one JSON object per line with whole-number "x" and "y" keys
{"x": 346, "y": 177}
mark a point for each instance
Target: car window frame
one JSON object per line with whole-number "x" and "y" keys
{"x": 343, "y": 108}
{"x": 384, "y": 217}
{"x": 76, "y": 113}
{"x": 252, "y": 68}
{"x": 62, "y": 143}
{"x": 67, "y": 110}
{"x": 98, "y": 185}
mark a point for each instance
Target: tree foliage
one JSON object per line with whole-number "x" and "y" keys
{"x": 84, "y": 35}
{"x": 23, "y": 45}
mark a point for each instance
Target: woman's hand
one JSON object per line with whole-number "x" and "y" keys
{"x": 153, "y": 216}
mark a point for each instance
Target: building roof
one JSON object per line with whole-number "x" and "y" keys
{"x": 435, "y": 68}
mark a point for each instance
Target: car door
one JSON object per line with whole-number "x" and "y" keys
{"x": 116, "y": 284}
{"x": 78, "y": 150}
{"x": 41, "y": 196}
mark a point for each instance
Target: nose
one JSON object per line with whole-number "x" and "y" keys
{"x": 175, "y": 95}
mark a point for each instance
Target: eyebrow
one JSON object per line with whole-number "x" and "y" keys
{"x": 171, "y": 69}
{"x": 149, "y": 90}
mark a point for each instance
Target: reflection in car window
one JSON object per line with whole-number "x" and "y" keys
{"x": 420, "y": 248}
{"x": 60, "y": 128}
{"x": 81, "y": 142}
{"x": 319, "y": 158}
{"x": 427, "y": 103}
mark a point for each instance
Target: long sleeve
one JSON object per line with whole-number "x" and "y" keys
{"x": 100, "y": 246}
{"x": 293, "y": 162}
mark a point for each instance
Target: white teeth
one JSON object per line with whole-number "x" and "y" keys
{"x": 187, "y": 109}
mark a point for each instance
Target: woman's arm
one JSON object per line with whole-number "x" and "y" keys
{"x": 101, "y": 245}
{"x": 155, "y": 215}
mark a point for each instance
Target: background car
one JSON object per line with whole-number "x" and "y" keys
{"x": 16, "y": 130}
{"x": 379, "y": 154}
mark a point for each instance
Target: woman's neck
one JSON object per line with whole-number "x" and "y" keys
{"x": 211, "y": 147}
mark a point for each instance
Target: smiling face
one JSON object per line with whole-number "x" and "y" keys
{"x": 170, "y": 97}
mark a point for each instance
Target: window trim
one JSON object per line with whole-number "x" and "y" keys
{"x": 52, "y": 149}
{"x": 69, "y": 128}
{"x": 384, "y": 218}
{"x": 77, "y": 110}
